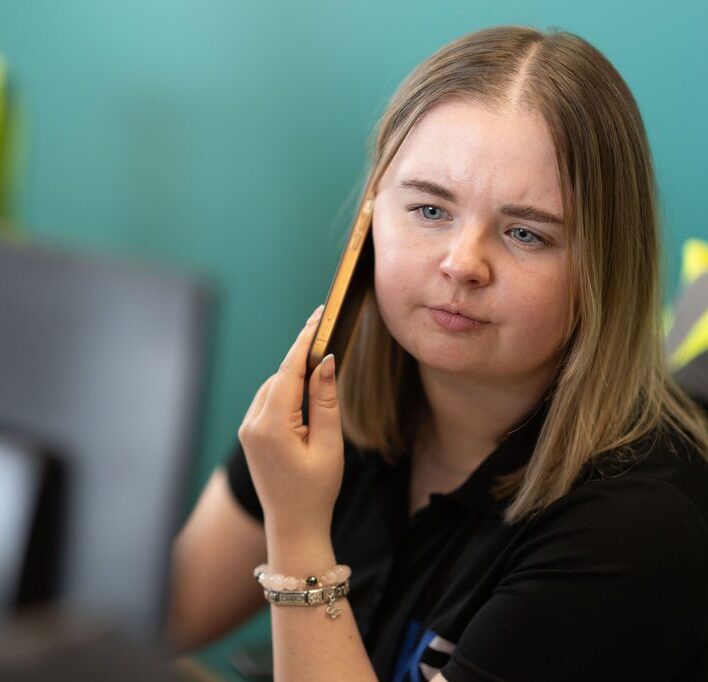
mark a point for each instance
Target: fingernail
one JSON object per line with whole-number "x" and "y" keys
{"x": 327, "y": 371}
{"x": 317, "y": 312}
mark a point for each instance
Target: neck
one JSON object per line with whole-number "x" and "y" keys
{"x": 468, "y": 420}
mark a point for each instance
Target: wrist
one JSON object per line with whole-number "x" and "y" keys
{"x": 299, "y": 554}
{"x": 287, "y": 530}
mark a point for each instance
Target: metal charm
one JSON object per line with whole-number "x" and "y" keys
{"x": 332, "y": 610}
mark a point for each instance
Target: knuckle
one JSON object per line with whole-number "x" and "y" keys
{"x": 294, "y": 420}
{"x": 329, "y": 403}
{"x": 259, "y": 433}
{"x": 243, "y": 431}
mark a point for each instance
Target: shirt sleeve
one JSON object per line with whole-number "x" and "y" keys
{"x": 241, "y": 483}
{"x": 610, "y": 585}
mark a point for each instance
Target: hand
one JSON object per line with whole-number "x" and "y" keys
{"x": 296, "y": 469}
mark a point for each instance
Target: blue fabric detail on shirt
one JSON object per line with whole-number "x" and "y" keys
{"x": 407, "y": 669}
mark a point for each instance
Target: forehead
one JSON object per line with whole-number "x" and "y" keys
{"x": 473, "y": 150}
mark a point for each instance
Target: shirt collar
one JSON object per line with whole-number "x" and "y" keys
{"x": 512, "y": 453}
{"x": 475, "y": 493}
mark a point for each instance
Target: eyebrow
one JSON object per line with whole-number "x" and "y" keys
{"x": 517, "y": 210}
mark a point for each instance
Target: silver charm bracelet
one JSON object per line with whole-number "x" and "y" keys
{"x": 318, "y": 595}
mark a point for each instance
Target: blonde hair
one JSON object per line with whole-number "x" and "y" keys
{"x": 612, "y": 386}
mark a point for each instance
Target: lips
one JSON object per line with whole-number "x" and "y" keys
{"x": 455, "y": 322}
{"x": 456, "y": 310}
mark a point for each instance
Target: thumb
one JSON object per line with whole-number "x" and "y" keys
{"x": 325, "y": 427}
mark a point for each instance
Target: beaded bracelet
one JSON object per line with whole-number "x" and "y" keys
{"x": 284, "y": 590}
{"x": 279, "y": 582}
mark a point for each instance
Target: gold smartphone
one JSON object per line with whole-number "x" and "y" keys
{"x": 343, "y": 304}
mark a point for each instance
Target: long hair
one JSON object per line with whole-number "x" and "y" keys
{"x": 612, "y": 385}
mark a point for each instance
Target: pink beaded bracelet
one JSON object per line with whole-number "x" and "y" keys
{"x": 280, "y": 582}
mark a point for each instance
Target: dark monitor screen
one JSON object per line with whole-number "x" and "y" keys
{"x": 106, "y": 363}
{"x": 20, "y": 479}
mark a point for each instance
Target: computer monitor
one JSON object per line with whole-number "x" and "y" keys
{"x": 106, "y": 362}
{"x": 31, "y": 520}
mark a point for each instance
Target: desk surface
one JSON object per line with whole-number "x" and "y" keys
{"x": 196, "y": 671}
{"x": 48, "y": 645}
{"x": 216, "y": 659}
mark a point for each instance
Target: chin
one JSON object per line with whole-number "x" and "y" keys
{"x": 447, "y": 361}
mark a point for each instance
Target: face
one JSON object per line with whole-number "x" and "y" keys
{"x": 468, "y": 248}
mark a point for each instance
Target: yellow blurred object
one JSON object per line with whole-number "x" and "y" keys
{"x": 3, "y": 89}
{"x": 695, "y": 264}
{"x": 667, "y": 319}
{"x": 4, "y": 226}
{"x": 695, "y": 260}
{"x": 695, "y": 343}
{"x": 13, "y": 153}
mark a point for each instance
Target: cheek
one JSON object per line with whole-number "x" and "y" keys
{"x": 392, "y": 284}
{"x": 541, "y": 311}
{"x": 396, "y": 266}
{"x": 397, "y": 283}
{"x": 400, "y": 249}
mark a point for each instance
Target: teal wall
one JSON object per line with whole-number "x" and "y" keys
{"x": 228, "y": 137}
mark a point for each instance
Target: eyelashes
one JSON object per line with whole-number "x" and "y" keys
{"x": 541, "y": 241}
{"x": 538, "y": 237}
{"x": 424, "y": 206}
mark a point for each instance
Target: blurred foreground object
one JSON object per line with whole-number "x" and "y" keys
{"x": 31, "y": 508}
{"x": 105, "y": 363}
{"x": 687, "y": 340}
{"x": 46, "y": 646}
{"x": 13, "y": 152}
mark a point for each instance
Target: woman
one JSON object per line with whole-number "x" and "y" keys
{"x": 521, "y": 490}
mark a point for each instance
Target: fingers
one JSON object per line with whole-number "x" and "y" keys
{"x": 323, "y": 412}
{"x": 256, "y": 406}
{"x": 285, "y": 398}
{"x": 260, "y": 398}
{"x": 291, "y": 362}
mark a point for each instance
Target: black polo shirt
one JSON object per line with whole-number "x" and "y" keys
{"x": 610, "y": 582}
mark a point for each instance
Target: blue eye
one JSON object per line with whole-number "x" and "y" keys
{"x": 437, "y": 213}
{"x": 523, "y": 230}
{"x": 434, "y": 208}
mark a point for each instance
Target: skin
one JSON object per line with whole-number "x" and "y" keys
{"x": 478, "y": 383}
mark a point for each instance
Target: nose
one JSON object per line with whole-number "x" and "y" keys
{"x": 466, "y": 260}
